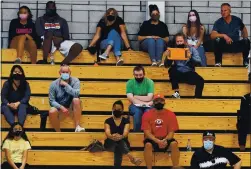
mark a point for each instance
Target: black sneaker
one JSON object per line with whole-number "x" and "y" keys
{"x": 42, "y": 62}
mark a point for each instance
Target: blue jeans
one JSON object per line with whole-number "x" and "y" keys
{"x": 114, "y": 40}
{"x": 201, "y": 51}
{"x": 137, "y": 113}
{"x": 9, "y": 113}
{"x": 155, "y": 48}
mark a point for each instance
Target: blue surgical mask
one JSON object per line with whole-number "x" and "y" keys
{"x": 65, "y": 76}
{"x": 208, "y": 145}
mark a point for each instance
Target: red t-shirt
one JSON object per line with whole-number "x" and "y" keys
{"x": 160, "y": 123}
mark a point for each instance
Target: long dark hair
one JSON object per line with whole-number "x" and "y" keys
{"x": 197, "y": 23}
{"x": 10, "y": 135}
{"x": 29, "y": 12}
{"x": 23, "y": 82}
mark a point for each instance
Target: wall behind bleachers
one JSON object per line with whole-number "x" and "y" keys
{"x": 82, "y": 16}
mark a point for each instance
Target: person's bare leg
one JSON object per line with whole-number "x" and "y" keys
{"x": 175, "y": 153}
{"x": 31, "y": 47}
{"x": 53, "y": 115}
{"x": 77, "y": 112}
{"x": 148, "y": 155}
{"x": 20, "y": 46}
{"x": 108, "y": 49}
{"x": 134, "y": 160}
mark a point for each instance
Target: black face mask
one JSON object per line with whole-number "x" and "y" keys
{"x": 180, "y": 46}
{"x": 51, "y": 12}
{"x": 110, "y": 18}
{"x": 117, "y": 113}
{"x": 158, "y": 106}
{"x": 139, "y": 80}
{"x": 155, "y": 17}
{"x": 17, "y": 133}
{"x": 17, "y": 76}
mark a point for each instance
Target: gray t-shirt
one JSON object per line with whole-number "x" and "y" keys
{"x": 232, "y": 29}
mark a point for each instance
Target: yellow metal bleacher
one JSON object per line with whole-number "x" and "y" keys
{"x": 223, "y": 88}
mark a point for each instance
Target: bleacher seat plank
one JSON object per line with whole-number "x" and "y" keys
{"x": 176, "y": 105}
{"x": 84, "y": 158}
{"x": 71, "y": 139}
{"x": 125, "y": 72}
{"x": 97, "y": 122}
{"x": 107, "y": 88}
{"x": 130, "y": 57}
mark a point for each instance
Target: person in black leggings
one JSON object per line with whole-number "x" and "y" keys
{"x": 117, "y": 130}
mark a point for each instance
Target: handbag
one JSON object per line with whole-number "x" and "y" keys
{"x": 94, "y": 146}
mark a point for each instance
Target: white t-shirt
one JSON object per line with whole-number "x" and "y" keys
{"x": 16, "y": 148}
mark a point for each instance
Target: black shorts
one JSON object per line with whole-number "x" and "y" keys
{"x": 156, "y": 146}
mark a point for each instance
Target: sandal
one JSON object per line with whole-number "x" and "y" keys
{"x": 136, "y": 161}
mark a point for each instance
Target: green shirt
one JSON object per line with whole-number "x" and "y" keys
{"x": 140, "y": 89}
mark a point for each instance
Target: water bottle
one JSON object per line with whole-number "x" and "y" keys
{"x": 189, "y": 146}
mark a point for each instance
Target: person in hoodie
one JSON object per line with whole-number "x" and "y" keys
{"x": 22, "y": 35}
{"x": 54, "y": 32}
{"x": 183, "y": 70}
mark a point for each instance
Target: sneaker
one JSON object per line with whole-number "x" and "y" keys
{"x": 161, "y": 65}
{"x": 120, "y": 62}
{"x": 79, "y": 129}
{"x": 95, "y": 63}
{"x": 17, "y": 61}
{"x": 103, "y": 56}
{"x": 42, "y": 62}
{"x": 52, "y": 62}
{"x": 154, "y": 64}
{"x": 218, "y": 65}
{"x": 246, "y": 64}
{"x": 176, "y": 95}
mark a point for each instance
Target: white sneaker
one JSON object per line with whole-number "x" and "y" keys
{"x": 79, "y": 129}
{"x": 218, "y": 65}
{"x": 103, "y": 56}
{"x": 154, "y": 64}
{"x": 176, "y": 95}
{"x": 161, "y": 65}
{"x": 120, "y": 62}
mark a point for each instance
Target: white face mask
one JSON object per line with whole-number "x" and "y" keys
{"x": 192, "y": 18}
{"x": 208, "y": 145}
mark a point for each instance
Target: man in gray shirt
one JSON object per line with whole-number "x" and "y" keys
{"x": 64, "y": 98}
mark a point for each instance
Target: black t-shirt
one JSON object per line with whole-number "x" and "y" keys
{"x": 106, "y": 29}
{"x": 149, "y": 29}
{"x": 117, "y": 129}
{"x": 219, "y": 158}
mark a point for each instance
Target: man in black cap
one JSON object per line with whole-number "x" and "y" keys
{"x": 212, "y": 156}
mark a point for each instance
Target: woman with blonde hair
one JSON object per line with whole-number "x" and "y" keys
{"x": 111, "y": 32}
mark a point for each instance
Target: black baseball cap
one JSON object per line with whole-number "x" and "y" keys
{"x": 208, "y": 133}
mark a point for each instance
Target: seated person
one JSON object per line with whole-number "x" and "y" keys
{"x": 54, "y": 32}
{"x": 15, "y": 96}
{"x": 153, "y": 36}
{"x": 184, "y": 70}
{"x": 139, "y": 91}
{"x": 194, "y": 32}
{"x": 226, "y": 37}
{"x": 111, "y": 32}
{"x": 64, "y": 99}
{"x": 117, "y": 129}
{"x": 213, "y": 156}
{"x": 22, "y": 35}
{"x": 15, "y": 147}
{"x": 159, "y": 125}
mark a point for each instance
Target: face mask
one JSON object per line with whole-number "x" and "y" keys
{"x": 155, "y": 17}
{"x": 18, "y": 133}
{"x": 17, "y": 76}
{"x": 208, "y": 145}
{"x": 158, "y": 106}
{"x": 117, "y": 113}
{"x": 139, "y": 80}
{"x": 192, "y": 18}
{"x": 110, "y": 18}
{"x": 23, "y": 16}
{"x": 51, "y": 12}
{"x": 180, "y": 46}
{"x": 65, "y": 76}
